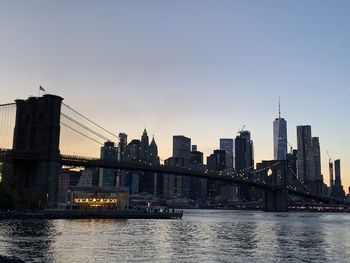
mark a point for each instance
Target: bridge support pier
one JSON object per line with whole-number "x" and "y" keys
{"x": 36, "y": 151}
{"x": 276, "y": 200}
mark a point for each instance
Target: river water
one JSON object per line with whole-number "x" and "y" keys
{"x": 201, "y": 236}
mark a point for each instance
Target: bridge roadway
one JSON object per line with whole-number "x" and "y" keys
{"x": 79, "y": 161}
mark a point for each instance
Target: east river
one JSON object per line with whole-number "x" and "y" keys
{"x": 201, "y": 236}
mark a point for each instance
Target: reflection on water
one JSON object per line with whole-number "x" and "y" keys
{"x": 30, "y": 240}
{"x": 202, "y": 235}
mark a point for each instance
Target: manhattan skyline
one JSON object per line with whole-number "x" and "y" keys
{"x": 193, "y": 68}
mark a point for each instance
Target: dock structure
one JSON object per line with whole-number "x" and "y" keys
{"x": 94, "y": 214}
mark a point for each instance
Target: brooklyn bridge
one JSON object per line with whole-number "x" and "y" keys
{"x": 32, "y": 146}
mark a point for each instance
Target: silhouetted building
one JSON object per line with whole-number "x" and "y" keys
{"x": 331, "y": 176}
{"x": 309, "y": 159}
{"x": 244, "y": 159}
{"x": 318, "y": 178}
{"x": 338, "y": 190}
{"x": 280, "y": 144}
{"x": 122, "y": 156}
{"x": 133, "y": 155}
{"x": 122, "y": 145}
{"x": 108, "y": 176}
{"x": 144, "y": 147}
{"x": 305, "y": 154}
{"x": 227, "y": 145}
{"x": 292, "y": 159}
{"x": 176, "y": 186}
{"x": 199, "y": 186}
{"x": 146, "y": 178}
{"x": 216, "y": 162}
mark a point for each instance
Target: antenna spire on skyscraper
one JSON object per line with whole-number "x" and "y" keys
{"x": 279, "y": 107}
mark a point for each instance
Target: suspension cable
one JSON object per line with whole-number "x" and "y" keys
{"x": 81, "y": 115}
{"x": 81, "y": 133}
{"x": 85, "y": 127}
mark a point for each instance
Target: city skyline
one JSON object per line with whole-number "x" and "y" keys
{"x": 202, "y": 78}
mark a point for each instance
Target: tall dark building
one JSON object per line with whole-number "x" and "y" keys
{"x": 227, "y": 145}
{"x": 318, "y": 185}
{"x": 122, "y": 156}
{"x": 37, "y": 130}
{"x": 133, "y": 155}
{"x": 244, "y": 159}
{"x": 305, "y": 154}
{"x": 123, "y": 143}
{"x": 108, "y": 176}
{"x": 338, "y": 190}
{"x": 331, "y": 176}
{"x": 216, "y": 162}
{"x": 176, "y": 186}
{"x": 199, "y": 187}
{"x": 144, "y": 147}
{"x": 157, "y": 187}
{"x": 309, "y": 159}
{"x": 196, "y": 156}
{"x": 182, "y": 149}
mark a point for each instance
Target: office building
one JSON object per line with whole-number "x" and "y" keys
{"x": 108, "y": 176}
{"x": 227, "y": 145}
{"x": 280, "y": 143}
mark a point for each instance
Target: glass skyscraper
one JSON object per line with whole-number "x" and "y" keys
{"x": 280, "y": 143}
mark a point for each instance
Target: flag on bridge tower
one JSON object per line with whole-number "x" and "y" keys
{"x": 41, "y": 88}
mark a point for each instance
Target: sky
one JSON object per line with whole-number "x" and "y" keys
{"x": 199, "y": 68}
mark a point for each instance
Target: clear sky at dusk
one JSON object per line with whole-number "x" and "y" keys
{"x": 198, "y": 68}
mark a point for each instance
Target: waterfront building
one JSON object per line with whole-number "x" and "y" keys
{"x": 280, "y": 143}
{"x": 67, "y": 178}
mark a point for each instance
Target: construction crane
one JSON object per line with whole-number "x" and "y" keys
{"x": 290, "y": 147}
{"x": 329, "y": 157}
{"x": 240, "y": 131}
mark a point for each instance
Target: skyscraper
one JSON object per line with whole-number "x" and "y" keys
{"x": 144, "y": 147}
{"x": 244, "y": 151}
{"x": 178, "y": 186}
{"x": 182, "y": 149}
{"x": 305, "y": 164}
{"x": 331, "y": 176}
{"x": 338, "y": 190}
{"x": 123, "y": 142}
{"x": 227, "y": 145}
{"x": 108, "y": 176}
{"x": 318, "y": 185}
{"x": 244, "y": 159}
{"x": 280, "y": 137}
{"x": 309, "y": 160}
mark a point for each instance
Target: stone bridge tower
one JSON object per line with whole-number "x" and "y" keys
{"x": 36, "y": 150}
{"x": 275, "y": 200}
